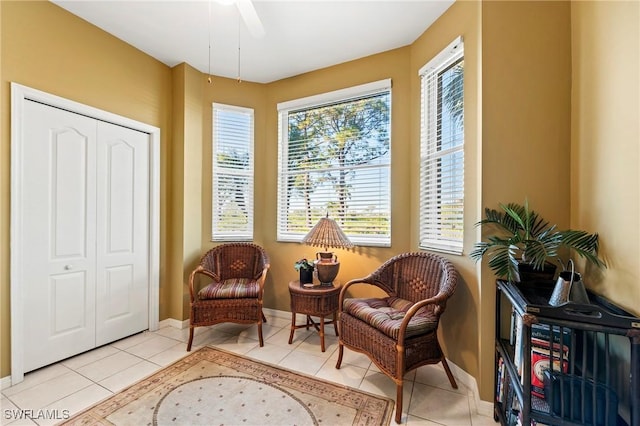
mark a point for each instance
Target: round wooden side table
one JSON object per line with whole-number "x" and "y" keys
{"x": 318, "y": 301}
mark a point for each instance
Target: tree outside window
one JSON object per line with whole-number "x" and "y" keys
{"x": 232, "y": 178}
{"x": 335, "y": 159}
{"x": 442, "y": 151}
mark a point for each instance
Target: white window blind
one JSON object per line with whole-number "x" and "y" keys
{"x": 334, "y": 157}
{"x": 232, "y": 186}
{"x": 442, "y": 151}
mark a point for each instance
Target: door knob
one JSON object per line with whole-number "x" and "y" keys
{"x": 68, "y": 267}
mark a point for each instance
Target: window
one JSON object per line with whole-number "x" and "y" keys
{"x": 232, "y": 186}
{"x": 334, "y": 158}
{"x": 442, "y": 151}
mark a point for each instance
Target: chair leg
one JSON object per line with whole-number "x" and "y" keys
{"x": 399, "y": 401}
{"x": 452, "y": 380}
{"x": 190, "y": 338}
{"x": 264, "y": 319}
{"x": 322, "y": 333}
{"x": 293, "y": 326}
{"x": 340, "y": 351}
{"x": 260, "y": 334}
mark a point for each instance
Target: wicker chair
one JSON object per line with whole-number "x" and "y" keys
{"x": 236, "y": 273}
{"x": 399, "y": 332}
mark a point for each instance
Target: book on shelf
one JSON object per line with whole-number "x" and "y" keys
{"x": 516, "y": 413}
{"x": 541, "y": 336}
{"x": 543, "y": 331}
{"x": 510, "y": 405}
{"x": 500, "y": 380}
{"x": 542, "y": 358}
{"x": 512, "y": 334}
{"x": 518, "y": 345}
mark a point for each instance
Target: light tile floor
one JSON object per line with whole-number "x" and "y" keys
{"x": 79, "y": 382}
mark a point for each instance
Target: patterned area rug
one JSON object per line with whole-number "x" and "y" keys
{"x": 214, "y": 387}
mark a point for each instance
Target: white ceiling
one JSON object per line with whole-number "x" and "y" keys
{"x": 301, "y": 35}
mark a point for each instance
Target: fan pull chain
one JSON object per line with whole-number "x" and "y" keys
{"x": 209, "y": 22}
{"x": 239, "y": 24}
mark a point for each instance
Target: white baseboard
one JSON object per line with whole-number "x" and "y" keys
{"x": 175, "y": 323}
{"x": 483, "y": 408}
{"x": 5, "y": 382}
{"x": 278, "y": 314}
{"x": 171, "y": 322}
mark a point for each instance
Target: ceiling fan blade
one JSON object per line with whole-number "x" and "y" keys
{"x": 251, "y": 19}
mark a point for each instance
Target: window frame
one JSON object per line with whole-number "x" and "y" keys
{"x": 316, "y": 101}
{"x": 431, "y": 236}
{"x": 218, "y": 235}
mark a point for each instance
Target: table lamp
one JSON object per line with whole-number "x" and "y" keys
{"x": 327, "y": 233}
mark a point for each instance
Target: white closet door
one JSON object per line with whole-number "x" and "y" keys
{"x": 85, "y": 204}
{"x": 122, "y": 281}
{"x": 59, "y": 222}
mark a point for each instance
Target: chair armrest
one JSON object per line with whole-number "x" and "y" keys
{"x": 263, "y": 278}
{"x": 439, "y": 299}
{"x": 199, "y": 270}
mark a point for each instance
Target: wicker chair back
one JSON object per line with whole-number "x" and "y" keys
{"x": 235, "y": 260}
{"x": 416, "y": 276}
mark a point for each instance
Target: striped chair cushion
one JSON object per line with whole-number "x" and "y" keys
{"x": 387, "y": 314}
{"x": 234, "y": 288}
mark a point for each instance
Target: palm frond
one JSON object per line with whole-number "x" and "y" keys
{"x": 540, "y": 227}
{"x": 499, "y": 220}
{"x": 585, "y": 244}
{"x": 538, "y": 251}
{"x": 479, "y": 249}
{"x": 504, "y": 263}
{"x": 516, "y": 215}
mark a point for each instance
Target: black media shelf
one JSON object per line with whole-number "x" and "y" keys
{"x": 582, "y": 343}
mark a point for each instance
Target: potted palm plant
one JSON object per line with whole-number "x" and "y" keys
{"x": 525, "y": 241}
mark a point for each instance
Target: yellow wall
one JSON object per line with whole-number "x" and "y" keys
{"x": 186, "y": 194}
{"x": 605, "y": 140}
{"x": 526, "y": 113}
{"x": 47, "y": 48}
{"x": 527, "y": 135}
{"x": 605, "y": 147}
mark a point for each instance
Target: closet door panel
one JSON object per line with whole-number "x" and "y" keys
{"x": 58, "y": 251}
{"x": 123, "y": 232}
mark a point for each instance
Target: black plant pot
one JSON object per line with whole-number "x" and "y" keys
{"x": 306, "y": 276}
{"x": 529, "y": 274}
